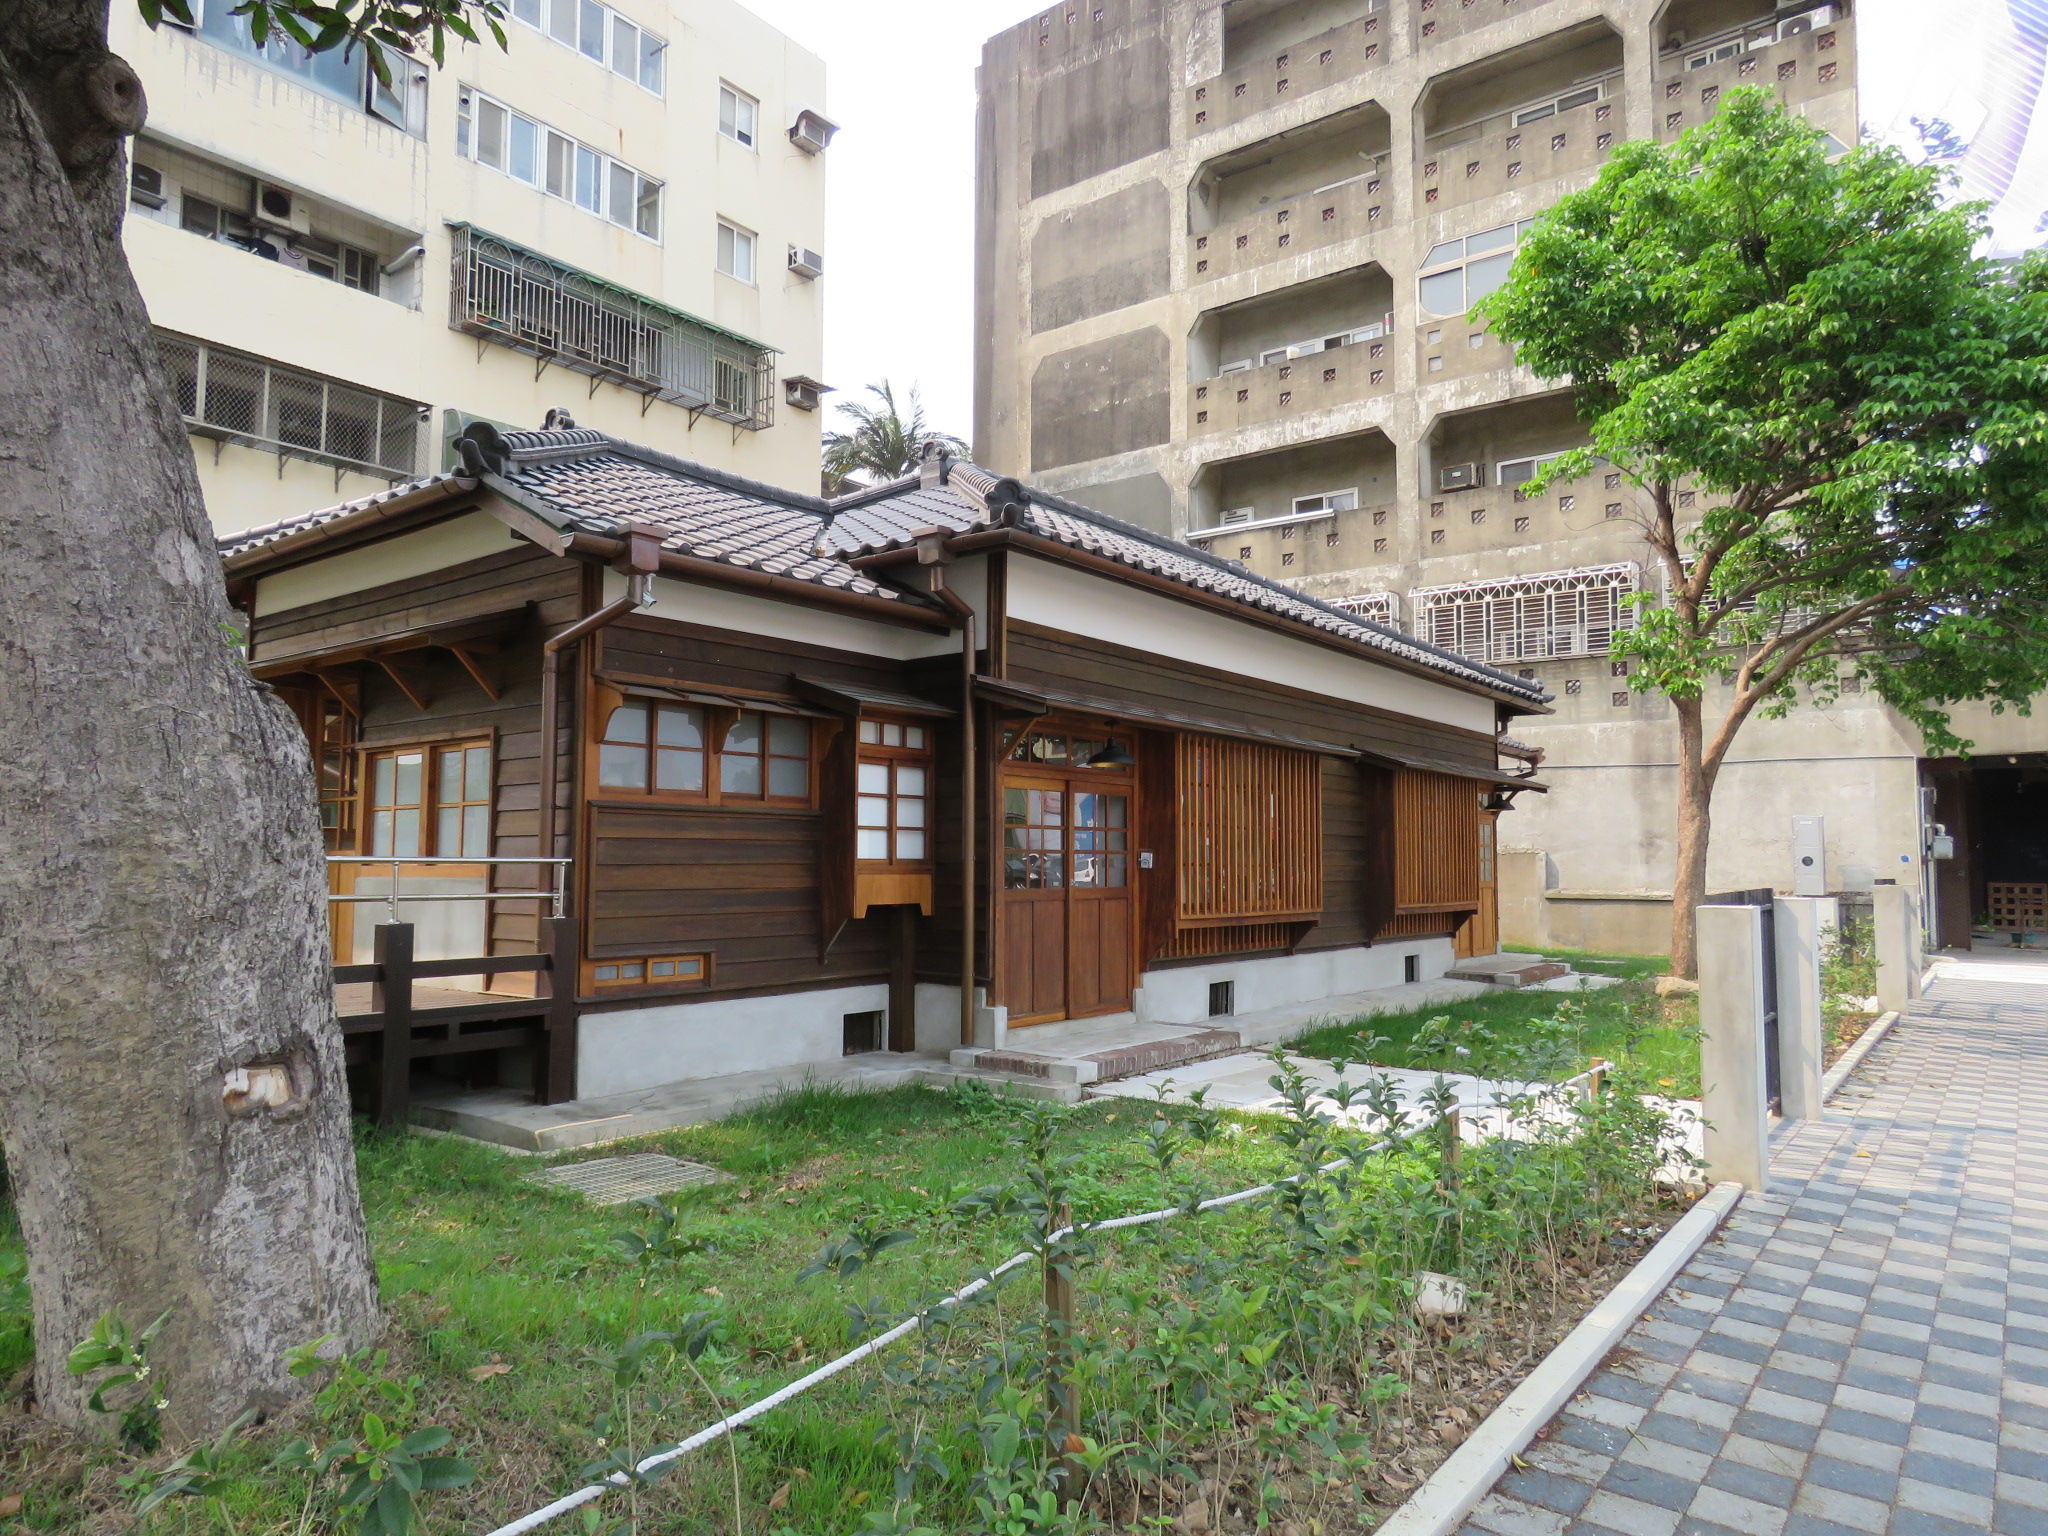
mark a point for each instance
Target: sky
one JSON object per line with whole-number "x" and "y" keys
{"x": 899, "y": 216}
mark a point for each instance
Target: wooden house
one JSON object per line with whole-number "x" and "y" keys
{"x": 914, "y": 768}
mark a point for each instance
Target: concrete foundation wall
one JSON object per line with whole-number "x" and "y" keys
{"x": 1181, "y": 995}
{"x": 679, "y": 1042}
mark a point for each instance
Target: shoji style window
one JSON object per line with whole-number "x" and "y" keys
{"x": 429, "y": 801}
{"x": 893, "y": 793}
{"x": 690, "y": 751}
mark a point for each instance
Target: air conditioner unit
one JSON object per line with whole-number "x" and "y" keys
{"x": 1792, "y": 26}
{"x": 812, "y": 131}
{"x": 806, "y": 263}
{"x": 801, "y": 392}
{"x": 146, "y": 185}
{"x": 1460, "y": 477}
{"x": 281, "y": 208}
{"x": 1235, "y": 515}
{"x": 1305, "y": 348}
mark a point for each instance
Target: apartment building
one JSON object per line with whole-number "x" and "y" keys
{"x": 620, "y": 215}
{"x": 1227, "y": 254}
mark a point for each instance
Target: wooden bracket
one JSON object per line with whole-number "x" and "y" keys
{"x": 477, "y": 675}
{"x": 400, "y": 681}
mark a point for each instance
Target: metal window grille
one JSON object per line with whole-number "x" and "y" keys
{"x": 1382, "y": 608}
{"x": 1558, "y": 613}
{"x": 518, "y": 298}
{"x": 233, "y": 397}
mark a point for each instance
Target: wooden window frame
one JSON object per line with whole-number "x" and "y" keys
{"x": 893, "y": 758}
{"x": 717, "y": 722}
{"x": 431, "y": 751}
{"x": 595, "y": 986}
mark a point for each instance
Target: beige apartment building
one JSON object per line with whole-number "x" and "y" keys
{"x": 621, "y": 215}
{"x": 1226, "y": 257}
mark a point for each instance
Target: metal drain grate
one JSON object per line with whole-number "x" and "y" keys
{"x": 615, "y": 1180}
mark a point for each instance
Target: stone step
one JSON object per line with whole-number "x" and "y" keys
{"x": 1001, "y": 1082}
{"x": 1507, "y": 970}
{"x": 1080, "y": 1066}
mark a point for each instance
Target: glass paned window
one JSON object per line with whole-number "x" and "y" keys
{"x": 1034, "y": 839}
{"x": 621, "y": 182}
{"x": 522, "y": 157}
{"x": 735, "y": 252}
{"x": 528, "y": 11}
{"x": 589, "y": 178}
{"x": 737, "y": 115}
{"x": 562, "y": 21}
{"x": 490, "y": 134}
{"x": 431, "y": 803}
{"x": 561, "y": 167}
{"x": 625, "y": 46}
{"x": 892, "y": 808}
{"x": 590, "y": 30}
{"x": 652, "y": 53}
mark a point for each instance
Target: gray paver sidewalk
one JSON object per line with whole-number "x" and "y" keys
{"x": 1864, "y": 1351}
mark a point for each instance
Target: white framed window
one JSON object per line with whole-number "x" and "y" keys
{"x": 736, "y": 251}
{"x": 1457, "y": 274}
{"x": 491, "y": 133}
{"x": 1327, "y": 501}
{"x": 601, "y": 35}
{"x": 1310, "y": 347}
{"x": 1578, "y": 96}
{"x": 1513, "y": 472}
{"x": 739, "y": 116}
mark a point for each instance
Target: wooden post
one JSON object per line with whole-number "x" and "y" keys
{"x": 1596, "y": 1079}
{"x": 1062, "y": 1405}
{"x": 391, "y": 996}
{"x": 1453, "y": 1144}
{"x": 554, "y": 1067}
{"x": 903, "y": 979}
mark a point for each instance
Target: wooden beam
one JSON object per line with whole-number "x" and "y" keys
{"x": 476, "y": 672}
{"x": 353, "y": 706}
{"x": 399, "y": 681}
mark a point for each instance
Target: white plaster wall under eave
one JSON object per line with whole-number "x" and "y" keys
{"x": 634, "y": 1048}
{"x": 690, "y": 602}
{"x": 457, "y": 541}
{"x": 1043, "y": 593}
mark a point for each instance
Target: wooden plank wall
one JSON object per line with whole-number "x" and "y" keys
{"x": 741, "y": 885}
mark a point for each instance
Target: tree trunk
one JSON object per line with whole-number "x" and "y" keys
{"x": 1695, "y": 821}
{"x": 163, "y": 925}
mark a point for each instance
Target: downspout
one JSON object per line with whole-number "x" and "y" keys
{"x": 642, "y": 557}
{"x": 970, "y": 818}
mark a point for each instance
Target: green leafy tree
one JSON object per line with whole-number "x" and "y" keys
{"x": 163, "y": 914}
{"x": 883, "y": 440}
{"x": 1810, "y": 345}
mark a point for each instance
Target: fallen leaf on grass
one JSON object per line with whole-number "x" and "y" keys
{"x": 10, "y": 1505}
{"x": 779, "y": 1499}
{"x": 712, "y": 1290}
{"x": 486, "y": 1372}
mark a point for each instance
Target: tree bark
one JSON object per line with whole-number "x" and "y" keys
{"x": 172, "y": 1101}
{"x": 1695, "y": 826}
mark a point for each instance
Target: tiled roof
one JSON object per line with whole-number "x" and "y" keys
{"x": 885, "y": 521}
{"x": 269, "y": 533}
{"x": 585, "y": 481}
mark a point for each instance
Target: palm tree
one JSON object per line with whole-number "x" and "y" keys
{"x": 884, "y": 442}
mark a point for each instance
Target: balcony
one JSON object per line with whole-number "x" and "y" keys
{"x": 1278, "y": 73}
{"x": 1458, "y": 348}
{"x": 1438, "y": 21}
{"x": 1803, "y": 56}
{"x": 1300, "y": 386}
{"x": 1291, "y": 226}
{"x": 507, "y": 294}
{"x": 1311, "y": 509}
{"x": 233, "y": 397}
{"x": 1524, "y": 146}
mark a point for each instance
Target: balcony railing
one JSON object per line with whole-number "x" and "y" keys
{"x": 1802, "y": 55}
{"x": 521, "y": 299}
{"x": 234, "y": 397}
{"x": 1293, "y": 386}
{"x": 1291, "y": 225}
{"x": 1571, "y": 131}
{"x": 1298, "y": 70}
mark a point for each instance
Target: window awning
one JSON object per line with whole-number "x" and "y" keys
{"x": 682, "y": 693}
{"x": 1041, "y": 700}
{"x": 853, "y": 699}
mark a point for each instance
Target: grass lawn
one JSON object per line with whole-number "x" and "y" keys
{"x": 509, "y": 1304}
{"x": 1628, "y": 1024}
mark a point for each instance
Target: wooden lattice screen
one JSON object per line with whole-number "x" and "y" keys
{"x": 1251, "y": 833}
{"x": 1436, "y": 842}
{"x": 2017, "y": 906}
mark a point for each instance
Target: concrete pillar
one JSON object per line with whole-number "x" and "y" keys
{"x": 1897, "y": 926}
{"x": 1802, "y": 925}
{"x": 1734, "y": 1100}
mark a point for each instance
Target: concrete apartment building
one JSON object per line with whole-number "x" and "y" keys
{"x": 620, "y": 214}
{"x": 1226, "y": 254}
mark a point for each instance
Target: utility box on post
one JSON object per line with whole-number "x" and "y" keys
{"x": 1809, "y": 856}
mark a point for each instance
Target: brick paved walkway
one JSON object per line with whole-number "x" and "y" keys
{"x": 1864, "y": 1351}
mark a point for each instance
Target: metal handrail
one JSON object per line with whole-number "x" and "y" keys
{"x": 394, "y": 862}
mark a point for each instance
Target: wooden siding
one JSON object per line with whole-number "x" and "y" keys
{"x": 1251, "y": 833}
{"x": 1436, "y": 838}
{"x": 1358, "y": 842}
{"x": 1236, "y": 939}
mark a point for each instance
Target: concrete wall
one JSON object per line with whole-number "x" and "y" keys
{"x": 1181, "y": 995}
{"x": 1448, "y": 392}
{"x": 223, "y": 106}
